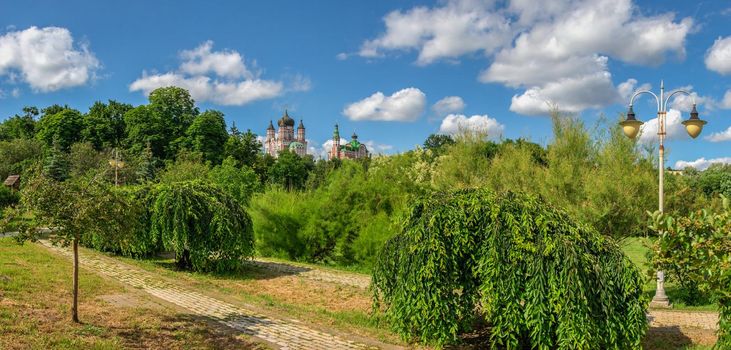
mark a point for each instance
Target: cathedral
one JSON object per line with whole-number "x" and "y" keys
{"x": 350, "y": 150}
{"x": 284, "y": 138}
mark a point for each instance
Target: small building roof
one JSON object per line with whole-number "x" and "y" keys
{"x": 12, "y": 180}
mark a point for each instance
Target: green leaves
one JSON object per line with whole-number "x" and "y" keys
{"x": 536, "y": 276}
{"x": 695, "y": 250}
{"x": 206, "y": 228}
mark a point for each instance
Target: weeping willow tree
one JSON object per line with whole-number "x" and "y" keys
{"x": 538, "y": 278}
{"x": 206, "y": 228}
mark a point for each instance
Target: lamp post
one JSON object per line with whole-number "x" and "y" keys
{"x": 631, "y": 127}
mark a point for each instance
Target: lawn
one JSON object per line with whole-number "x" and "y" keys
{"x": 35, "y": 296}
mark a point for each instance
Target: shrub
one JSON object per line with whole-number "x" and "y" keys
{"x": 206, "y": 228}
{"x": 540, "y": 279}
{"x": 697, "y": 248}
{"x": 138, "y": 240}
{"x": 8, "y": 197}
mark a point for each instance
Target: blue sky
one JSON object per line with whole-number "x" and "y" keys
{"x": 379, "y": 67}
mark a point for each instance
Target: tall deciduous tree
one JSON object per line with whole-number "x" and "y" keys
{"x": 244, "y": 147}
{"x": 290, "y": 170}
{"x": 19, "y": 126}
{"x": 104, "y": 124}
{"x": 64, "y": 127}
{"x": 207, "y": 135}
{"x": 162, "y": 123}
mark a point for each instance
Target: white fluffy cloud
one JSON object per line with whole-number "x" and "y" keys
{"x": 221, "y": 77}
{"x": 202, "y": 60}
{"x": 718, "y": 57}
{"x": 701, "y": 163}
{"x": 551, "y": 51}
{"x": 447, "y": 105}
{"x": 674, "y": 129}
{"x": 404, "y": 105}
{"x": 46, "y": 59}
{"x": 720, "y": 136}
{"x": 726, "y": 103}
{"x": 454, "y": 124}
{"x": 629, "y": 87}
{"x": 446, "y": 32}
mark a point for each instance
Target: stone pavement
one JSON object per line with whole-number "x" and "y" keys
{"x": 657, "y": 318}
{"x": 285, "y": 334}
{"x": 695, "y": 319}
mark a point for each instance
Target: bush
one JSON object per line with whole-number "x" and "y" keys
{"x": 206, "y": 228}
{"x": 540, "y": 279}
{"x": 697, "y": 250}
{"x": 138, "y": 241}
{"x": 345, "y": 220}
{"x": 8, "y": 197}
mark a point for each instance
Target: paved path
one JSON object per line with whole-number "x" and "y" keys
{"x": 696, "y": 319}
{"x": 288, "y": 334}
{"x": 658, "y": 318}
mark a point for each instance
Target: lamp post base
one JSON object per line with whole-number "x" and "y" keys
{"x": 660, "y": 300}
{"x": 660, "y": 303}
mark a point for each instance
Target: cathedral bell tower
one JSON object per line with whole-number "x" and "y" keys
{"x": 335, "y": 152}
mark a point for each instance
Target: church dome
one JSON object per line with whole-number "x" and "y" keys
{"x": 286, "y": 120}
{"x": 295, "y": 145}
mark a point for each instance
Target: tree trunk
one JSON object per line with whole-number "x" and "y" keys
{"x": 75, "y": 306}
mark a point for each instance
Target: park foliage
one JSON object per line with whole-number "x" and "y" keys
{"x": 226, "y": 194}
{"x": 537, "y": 277}
{"x": 696, "y": 250}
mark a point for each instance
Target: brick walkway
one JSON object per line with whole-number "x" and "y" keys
{"x": 657, "y": 318}
{"x": 695, "y": 319}
{"x": 283, "y": 334}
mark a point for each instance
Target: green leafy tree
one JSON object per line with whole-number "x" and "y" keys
{"x": 206, "y": 228}
{"x": 187, "y": 167}
{"x": 539, "y": 278}
{"x": 19, "y": 126}
{"x": 239, "y": 182}
{"x": 17, "y": 155}
{"x": 56, "y": 165}
{"x": 244, "y": 147}
{"x": 290, "y": 171}
{"x": 83, "y": 158}
{"x": 437, "y": 143}
{"x": 73, "y": 208}
{"x": 695, "y": 250}
{"x": 104, "y": 124}
{"x": 64, "y": 127}
{"x": 145, "y": 167}
{"x": 162, "y": 123}
{"x": 207, "y": 135}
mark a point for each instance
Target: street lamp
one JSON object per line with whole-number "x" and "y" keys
{"x": 631, "y": 127}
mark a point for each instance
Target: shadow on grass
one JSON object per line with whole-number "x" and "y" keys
{"x": 666, "y": 338}
{"x": 186, "y": 326}
{"x": 251, "y": 269}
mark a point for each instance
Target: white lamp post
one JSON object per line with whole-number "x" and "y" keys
{"x": 631, "y": 128}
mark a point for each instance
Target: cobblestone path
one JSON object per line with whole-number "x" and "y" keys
{"x": 696, "y": 319}
{"x": 658, "y": 318}
{"x": 284, "y": 334}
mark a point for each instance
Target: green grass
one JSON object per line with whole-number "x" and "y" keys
{"x": 636, "y": 248}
